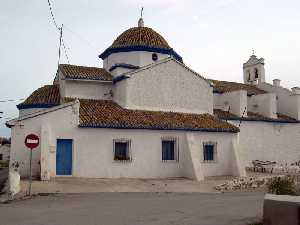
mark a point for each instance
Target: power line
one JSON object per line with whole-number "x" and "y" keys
{"x": 81, "y": 38}
{"x": 12, "y": 100}
{"x": 52, "y": 15}
{"x": 62, "y": 42}
{"x": 60, "y": 29}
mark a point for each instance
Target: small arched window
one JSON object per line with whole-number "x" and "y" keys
{"x": 154, "y": 57}
{"x": 249, "y": 75}
{"x": 256, "y": 72}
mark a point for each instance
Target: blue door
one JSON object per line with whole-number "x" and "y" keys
{"x": 64, "y": 157}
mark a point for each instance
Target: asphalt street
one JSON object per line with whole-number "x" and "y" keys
{"x": 3, "y": 177}
{"x": 135, "y": 209}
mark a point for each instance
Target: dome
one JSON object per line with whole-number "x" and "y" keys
{"x": 140, "y": 36}
{"x": 140, "y": 39}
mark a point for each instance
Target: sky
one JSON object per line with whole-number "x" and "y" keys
{"x": 214, "y": 37}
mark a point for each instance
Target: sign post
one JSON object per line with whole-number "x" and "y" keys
{"x": 31, "y": 142}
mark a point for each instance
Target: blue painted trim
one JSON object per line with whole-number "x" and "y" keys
{"x": 222, "y": 92}
{"x": 133, "y": 48}
{"x": 84, "y": 78}
{"x": 35, "y": 106}
{"x": 119, "y": 78}
{"x": 261, "y": 120}
{"x": 123, "y": 65}
{"x": 122, "y": 126}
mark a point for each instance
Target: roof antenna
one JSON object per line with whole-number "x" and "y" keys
{"x": 141, "y": 21}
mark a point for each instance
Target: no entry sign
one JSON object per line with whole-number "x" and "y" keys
{"x": 32, "y": 141}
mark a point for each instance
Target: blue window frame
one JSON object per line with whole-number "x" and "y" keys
{"x": 209, "y": 152}
{"x": 122, "y": 150}
{"x": 169, "y": 150}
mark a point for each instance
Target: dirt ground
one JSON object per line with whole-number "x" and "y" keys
{"x": 84, "y": 185}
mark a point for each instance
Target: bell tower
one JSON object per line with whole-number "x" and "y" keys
{"x": 254, "y": 70}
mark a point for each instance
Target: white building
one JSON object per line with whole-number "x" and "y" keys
{"x": 147, "y": 115}
{"x": 4, "y": 152}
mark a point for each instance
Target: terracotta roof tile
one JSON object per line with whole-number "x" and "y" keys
{"x": 107, "y": 114}
{"x": 46, "y": 95}
{"x": 140, "y": 36}
{"x": 225, "y": 115}
{"x": 226, "y": 86}
{"x": 252, "y": 116}
{"x": 84, "y": 72}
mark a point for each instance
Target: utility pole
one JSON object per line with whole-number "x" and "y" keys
{"x": 60, "y": 41}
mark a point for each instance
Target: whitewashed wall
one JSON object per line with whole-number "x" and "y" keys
{"x": 136, "y": 58}
{"x": 63, "y": 120}
{"x": 227, "y": 157}
{"x": 166, "y": 86}
{"x": 23, "y": 112}
{"x": 93, "y": 149}
{"x": 278, "y": 142}
{"x": 264, "y": 104}
{"x": 287, "y": 103}
{"x": 119, "y": 71}
{"x": 236, "y": 101}
{"x": 88, "y": 89}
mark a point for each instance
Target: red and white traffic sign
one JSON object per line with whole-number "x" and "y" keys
{"x": 32, "y": 141}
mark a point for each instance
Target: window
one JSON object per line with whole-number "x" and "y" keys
{"x": 154, "y": 57}
{"x": 249, "y": 75}
{"x": 256, "y": 72}
{"x": 169, "y": 149}
{"x": 122, "y": 150}
{"x": 209, "y": 151}
{"x": 1, "y": 157}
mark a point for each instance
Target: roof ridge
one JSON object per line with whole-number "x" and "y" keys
{"x": 161, "y": 61}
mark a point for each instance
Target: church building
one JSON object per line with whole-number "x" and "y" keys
{"x": 145, "y": 114}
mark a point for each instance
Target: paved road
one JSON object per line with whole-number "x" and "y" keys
{"x": 3, "y": 177}
{"x": 135, "y": 209}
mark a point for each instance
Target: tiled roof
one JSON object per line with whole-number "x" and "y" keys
{"x": 140, "y": 36}
{"x": 84, "y": 72}
{"x": 252, "y": 116}
{"x": 47, "y": 95}
{"x": 226, "y": 86}
{"x": 108, "y": 114}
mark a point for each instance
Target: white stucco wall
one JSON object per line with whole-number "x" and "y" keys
{"x": 62, "y": 120}
{"x": 23, "y": 112}
{"x": 278, "y": 142}
{"x": 166, "y": 86}
{"x": 119, "y": 71}
{"x": 5, "y": 152}
{"x": 264, "y": 104}
{"x": 287, "y": 103}
{"x": 87, "y": 89}
{"x": 226, "y": 163}
{"x": 136, "y": 58}
{"x": 93, "y": 149}
{"x": 236, "y": 101}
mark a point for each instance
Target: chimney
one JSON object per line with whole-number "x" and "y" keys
{"x": 296, "y": 90}
{"x": 276, "y": 82}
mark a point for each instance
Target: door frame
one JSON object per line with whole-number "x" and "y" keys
{"x": 72, "y": 166}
